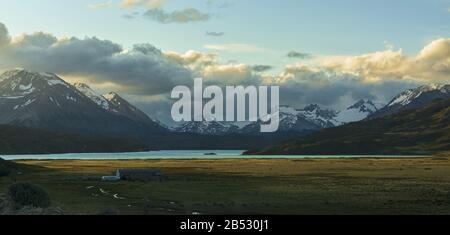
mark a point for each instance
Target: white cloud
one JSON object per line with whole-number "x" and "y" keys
{"x": 146, "y": 3}
{"x": 183, "y": 16}
{"x": 236, "y": 48}
{"x": 145, "y": 71}
{"x": 431, "y": 64}
{"x": 142, "y": 69}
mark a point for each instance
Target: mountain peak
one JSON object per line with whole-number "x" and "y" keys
{"x": 364, "y": 106}
{"x": 22, "y": 82}
{"x": 312, "y": 107}
{"x": 112, "y": 96}
{"x": 91, "y": 94}
{"x": 409, "y": 96}
{"x": 81, "y": 85}
{"x": 414, "y": 98}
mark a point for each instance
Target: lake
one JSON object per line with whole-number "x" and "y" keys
{"x": 174, "y": 154}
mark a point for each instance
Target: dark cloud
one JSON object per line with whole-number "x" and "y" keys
{"x": 140, "y": 70}
{"x": 144, "y": 71}
{"x": 298, "y": 55}
{"x": 261, "y": 68}
{"x": 215, "y": 34}
{"x": 184, "y": 16}
{"x": 335, "y": 90}
{"x": 4, "y": 35}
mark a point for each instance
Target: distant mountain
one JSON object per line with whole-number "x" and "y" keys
{"x": 114, "y": 103}
{"x": 311, "y": 118}
{"x": 357, "y": 112}
{"x": 425, "y": 130}
{"x": 208, "y": 128}
{"x": 414, "y": 98}
{"x": 45, "y": 101}
{"x": 122, "y": 107}
{"x": 20, "y": 140}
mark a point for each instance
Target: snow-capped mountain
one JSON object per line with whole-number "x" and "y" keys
{"x": 311, "y": 118}
{"x": 114, "y": 103}
{"x": 91, "y": 94}
{"x": 414, "y": 98}
{"x": 357, "y": 112}
{"x": 45, "y": 101}
{"x": 208, "y": 128}
{"x": 122, "y": 107}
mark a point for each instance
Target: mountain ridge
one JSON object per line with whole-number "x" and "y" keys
{"x": 45, "y": 101}
{"x": 425, "y": 130}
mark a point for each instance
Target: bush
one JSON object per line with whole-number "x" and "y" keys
{"x": 26, "y": 194}
{"x": 4, "y": 170}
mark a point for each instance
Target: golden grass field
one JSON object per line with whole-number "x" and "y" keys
{"x": 249, "y": 186}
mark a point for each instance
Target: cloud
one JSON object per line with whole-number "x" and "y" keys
{"x": 430, "y": 64}
{"x": 215, "y": 34}
{"x": 299, "y": 55}
{"x": 301, "y": 85}
{"x": 152, "y": 4}
{"x": 156, "y": 12}
{"x": 4, "y": 35}
{"x": 100, "y": 5}
{"x": 142, "y": 69}
{"x": 193, "y": 60}
{"x": 236, "y": 48}
{"x": 147, "y": 74}
{"x": 184, "y": 16}
{"x": 261, "y": 68}
{"x": 207, "y": 66}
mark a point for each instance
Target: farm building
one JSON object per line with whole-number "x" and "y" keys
{"x": 110, "y": 178}
{"x": 140, "y": 175}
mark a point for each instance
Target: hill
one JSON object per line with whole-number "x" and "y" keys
{"x": 421, "y": 131}
{"x": 20, "y": 140}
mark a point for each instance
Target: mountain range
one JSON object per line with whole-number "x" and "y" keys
{"x": 44, "y": 101}
{"x": 425, "y": 130}
{"x": 314, "y": 117}
{"x": 414, "y": 98}
{"x": 311, "y": 118}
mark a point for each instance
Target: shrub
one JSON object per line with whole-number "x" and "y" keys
{"x": 4, "y": 170}
{"x": 26, "y": 194}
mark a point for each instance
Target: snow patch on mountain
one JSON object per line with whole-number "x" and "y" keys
{"x": 357, "y": 112}
{"x": 408, "y": 96}
{"x": 91, "y": 94}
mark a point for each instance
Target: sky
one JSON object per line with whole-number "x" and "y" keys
{"x": 345, "y": 50}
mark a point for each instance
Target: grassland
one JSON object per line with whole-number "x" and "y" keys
{"x": 249, "y": 186}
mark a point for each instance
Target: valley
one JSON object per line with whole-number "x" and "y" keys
{"x": 247, "y": 186}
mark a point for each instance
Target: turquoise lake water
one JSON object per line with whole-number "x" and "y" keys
{"x": 173, "y": 154}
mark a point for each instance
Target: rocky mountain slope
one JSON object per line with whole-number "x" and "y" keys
{"x": 414, "y": 98}
{"x": 425, "y": 130}
{"x": 45, "y": 101}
